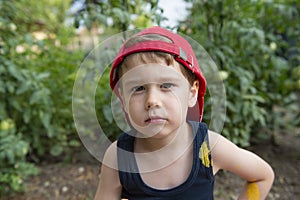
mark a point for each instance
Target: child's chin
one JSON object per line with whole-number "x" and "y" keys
{"x": 156, "y": 135}
{"x": 150, "y": 133}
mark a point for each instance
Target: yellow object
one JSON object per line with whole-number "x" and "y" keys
{"x": 253, "y": 191}
{"x": 7, "y": 124}
{"x": 204, "y": 154}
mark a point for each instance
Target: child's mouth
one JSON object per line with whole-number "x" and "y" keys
{"x": 156, "y": 119}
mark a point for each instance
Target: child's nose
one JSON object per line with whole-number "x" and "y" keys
{"x": 152, "y": 98}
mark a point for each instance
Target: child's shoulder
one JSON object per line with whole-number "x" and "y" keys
{"x": 110, "y": 155}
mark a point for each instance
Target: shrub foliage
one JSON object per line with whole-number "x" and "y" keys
{"x": 35, "y": 88}
{"x": 256, "y": 45}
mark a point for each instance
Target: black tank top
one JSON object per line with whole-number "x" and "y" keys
{"x": 198, "y": 186}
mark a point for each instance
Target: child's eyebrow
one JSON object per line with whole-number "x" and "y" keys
{"x": 173, "y": 78}
{"x": 132, "y": 81}
{"x": 163, "y": 78}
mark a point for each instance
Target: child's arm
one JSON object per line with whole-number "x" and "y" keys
{"x": 258, "y": 174}
{"x": 109, "y": 187}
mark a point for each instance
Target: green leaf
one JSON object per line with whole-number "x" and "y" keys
{"x": 2, "y": 87}
{"x": 74, "y": 143}
{"x": 39, "y": 96}
{"x": 101, "y": 18}
{"x": 24, "y": 87}
{"x": 107, "y": 113}
{"x": 120, "y": 14}
{"x": 3, "y": 114}
{"x": 29, "y": 39}
{"x": 43, "y": 75}
{"x": 45, "y": 118}
{"x": 254, "y": 97}
{"x": 27, "y": 116}
{"x": 56, "y": 150}
{"x": 15, "y": 103}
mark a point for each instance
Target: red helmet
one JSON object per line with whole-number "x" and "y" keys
{"x": 182, "y": 52}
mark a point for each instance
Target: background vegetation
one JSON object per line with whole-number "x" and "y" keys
{"x": 256, "y": 46}
{"x": 254, "y": 43}
{"x": 36, "y": 67}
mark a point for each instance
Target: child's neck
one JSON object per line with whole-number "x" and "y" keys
{"x": 153, "y": 153}
{"x": 179, "y": 138}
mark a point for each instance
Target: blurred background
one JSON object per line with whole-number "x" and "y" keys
{"x": 255, "y": 45}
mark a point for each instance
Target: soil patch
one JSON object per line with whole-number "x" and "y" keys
{"x": 78, "y": 181}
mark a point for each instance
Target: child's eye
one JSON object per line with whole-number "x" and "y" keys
{"x": 167, "y": 85}
{"x": 138, "y": 88}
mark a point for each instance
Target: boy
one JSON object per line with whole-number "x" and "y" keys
{"x": 169, "y": 153}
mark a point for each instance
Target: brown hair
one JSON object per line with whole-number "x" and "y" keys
{"x": 152, "y": 56}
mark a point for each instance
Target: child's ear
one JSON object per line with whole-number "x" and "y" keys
{"x": 193, "y": 96}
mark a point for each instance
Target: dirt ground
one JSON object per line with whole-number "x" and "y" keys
{"x": 78, "y": 181}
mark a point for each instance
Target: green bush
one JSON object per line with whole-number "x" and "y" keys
{"x": 13, "y": 150}
{"x": 257, "y": 44}
{"x": 37, "y": 74}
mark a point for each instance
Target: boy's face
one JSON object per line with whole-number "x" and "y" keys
{"x": 156, "y": 98}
